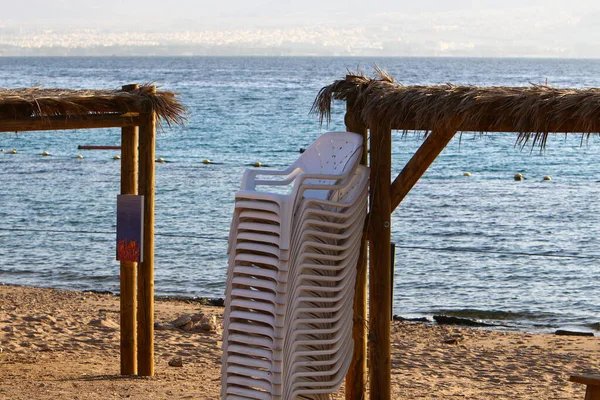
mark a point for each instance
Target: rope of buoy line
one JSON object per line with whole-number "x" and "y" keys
{"x": 257, "y": 164}
{"x": 440, "y": 249}
{"x": 160, "y": 160}
{"x": 511, "y": 253}
{"x": 193, "y": 236}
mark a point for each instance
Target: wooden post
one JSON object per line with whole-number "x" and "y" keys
{"x": 437, "y": 140}
{"x": 356, "y": 378}
{"x": 146, "y": 267}
{"x": 379, "y": 262}
{"x": 128, "y": 273}
{"x": 392, "y": 267}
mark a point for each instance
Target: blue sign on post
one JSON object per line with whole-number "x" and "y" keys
{"x": 130, "y": 228}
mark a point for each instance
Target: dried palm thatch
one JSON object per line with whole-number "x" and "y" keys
{"x": 532, "y": 111}
{"x": 38, "y": 102}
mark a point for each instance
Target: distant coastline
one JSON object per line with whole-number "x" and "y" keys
{"x": 163, "y": 50}
{"x": 234, "y": 52}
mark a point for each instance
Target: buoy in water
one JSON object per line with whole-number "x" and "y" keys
{"x": 206, "y": 161}
{"x": 13, "y": 151}
{"x": 79, "y": 156}
{"x": 547, "y": 178}
{"x": 45, "y": 154}
{"x": 257, "y": 164}
{"x": 518, "y": 177}
{"x": 116, "y": 157}
{"x": 467, "y": 174}
{"x": 160, "y": 160}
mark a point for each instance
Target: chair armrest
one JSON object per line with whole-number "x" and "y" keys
{"x": 326, "y": 177}
{"x": 338, "y": 180}
{"x": 249, "y": 181}
{"x": 296, "y": 176}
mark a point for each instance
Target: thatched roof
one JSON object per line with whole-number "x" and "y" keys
{"x": 38, "y": 102}
{"x": 535, "y": 109}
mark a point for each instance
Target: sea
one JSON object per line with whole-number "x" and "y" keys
{"x": 520, "y": 255}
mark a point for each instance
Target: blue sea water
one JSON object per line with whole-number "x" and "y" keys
{"x": 522, "y": 254}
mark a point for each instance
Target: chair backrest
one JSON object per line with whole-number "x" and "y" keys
{"x": 331, "y": 154}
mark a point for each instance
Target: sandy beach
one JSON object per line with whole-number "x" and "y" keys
{"x": 57, "y": 344}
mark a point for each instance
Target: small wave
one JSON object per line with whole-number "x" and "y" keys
{"x": 595, "y": 326}
{"x": 494, "y": 314}
{"x": 14, "y": 271}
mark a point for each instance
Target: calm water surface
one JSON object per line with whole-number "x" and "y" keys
{"x": 519, "y": 253}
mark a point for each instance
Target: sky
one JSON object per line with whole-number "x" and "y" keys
{"x": 509, "y": 28}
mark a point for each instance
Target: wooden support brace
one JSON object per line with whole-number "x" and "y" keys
{"x": 420, "y": 162}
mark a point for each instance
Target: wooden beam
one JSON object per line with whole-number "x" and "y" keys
{"x": 356, "y": 378}
{"x": 70, "y": 122}
{"x": 146, "y": 267}
{"x": 128, "y": 270}
{"x": 379, "y": 231}
{"x": 420, "y": 161}
{"x": 504, "y": 123}
{"x": 92, "y": 147}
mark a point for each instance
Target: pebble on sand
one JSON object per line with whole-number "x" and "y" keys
{"x": 176, "y": 362}
{"x": 181, "y": 321}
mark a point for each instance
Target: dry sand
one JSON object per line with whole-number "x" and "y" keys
{"x": 65, "y": 345}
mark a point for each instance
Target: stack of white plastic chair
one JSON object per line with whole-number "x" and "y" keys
{"x": 318, "y": 336}
{"x": 304, "y": 226}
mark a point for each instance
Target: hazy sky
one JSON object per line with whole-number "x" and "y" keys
{"x": 477, "y": 27}
{"x": 94, "y": 13}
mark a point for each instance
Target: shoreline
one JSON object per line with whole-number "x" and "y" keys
{"x": 65, "y": 344}
{"x": 450, "y": 318}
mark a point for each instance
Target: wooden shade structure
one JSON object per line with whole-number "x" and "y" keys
{"x": 379, "y": 105}
{"x": 135, "y": 109}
